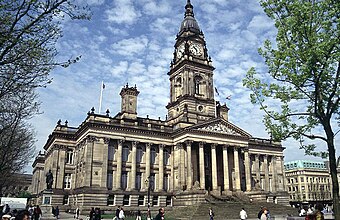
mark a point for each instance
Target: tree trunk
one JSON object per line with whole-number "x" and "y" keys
{"x": 332, "y": 168}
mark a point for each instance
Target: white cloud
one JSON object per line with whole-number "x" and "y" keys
{"x": 131, "y": 46}
{"x": 123, "y": 12}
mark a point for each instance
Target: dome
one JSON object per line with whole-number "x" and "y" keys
{"x": 189, "y": 22}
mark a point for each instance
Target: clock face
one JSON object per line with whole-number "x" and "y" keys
{"x": 180, "y": 51}
{"x": 196, "y": 49}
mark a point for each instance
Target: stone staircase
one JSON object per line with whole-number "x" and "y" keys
{"x": 227, "y": 210}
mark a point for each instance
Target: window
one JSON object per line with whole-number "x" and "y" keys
{"x": 152, "y": 181}
{"x": 302, "y": 179}
{"x": 110, "y": 199}
{"x": 125, "y": 153}
{"x": 168, "y": 201}
{"x": 67, "y": 181}
{"x": 166, "y": 182}
{"x": 153, "y": 156}
{"x": 155, "y": 201}
{"x": 126, "y": 200}
{"x": 69, "y": 156}
{"x": 166, "y": 157}
{"x": 140, "y": 200}
{"x": 139, "y": 154}
{"x": 110, "y": 179}
{"x": 124, "y": 180}
{"x": 111, "y": 152}
{"x": 138, "y": 181}
{"x": 66, "y": 200}
{"x": 197, "y": 82}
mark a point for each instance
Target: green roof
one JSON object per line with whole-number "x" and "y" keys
{"x": 305, "y": 164}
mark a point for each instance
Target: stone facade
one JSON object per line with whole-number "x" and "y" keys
{"x": 308, "y": 182}
{"x": 115, "y": 160}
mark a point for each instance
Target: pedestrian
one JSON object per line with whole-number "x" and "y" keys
{"x": 6, "y": 209}
{"x": 211, "y": 213}
{"x": 97, "y": 214}
{"x": 148, "y": 214}
{"x": 92, "y": 214}
{"x": 77, "y": 213}
{"x": 243, "y": 214}
{"x": 318, "y": 212}
{"x": 139, "y": 215}
{"x": 23, "y": 215}
{"x": 56, "y": 212}
{"x": 264, "y": 214}
{"x": 117, "y": 213}
{"x": 121, "y": 214}
{"x": 160, "y": 215}
{"x": 260, "y": 213}
{"x": 37, "y": 213}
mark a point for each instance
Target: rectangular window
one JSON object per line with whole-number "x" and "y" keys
{"x": 168, "y": 201}
{"x": 302, "y": 179}
{"x": 166, "y": 182}
{"x": 140, "y": 200}
{"x": 152, "y": 181}
{"x": 139, "y": 181}
{"x": 66, "y": 200}
{"x": 126, "y": 200}
{"x": 110, "y": 180}
{"x": 155, "y": 201}
{"x": 111, "y": 152}
{"x": 124, "y": 180}
{"x": 67, "y": 181}
{"x": 139, "y": 155}
{"x": 110, "y": 199}
{"x": 69, "y": 156}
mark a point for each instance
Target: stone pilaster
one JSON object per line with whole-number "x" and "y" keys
{"x": 266, "y": 172}
{"x": 257, "y": 168}
{"x": 89, "y": 160}
{"x": 214, "y": 167}
{"x": 133, "y": 173}
{"x": 237, "y": 170}
{"x": 247, "y": 170}
{"x": 181, "y": 165}
{"x": 161, "y": 167}
{"x": 105, "y": 145}
{"x": 172, "y": 165}
{"x": 274, "y": 174}
{"x": 119, "y": 164}
{"x": 225, "y": 168}
{"x": 147, "y": 160}
{"x": 201, "y": 165}
{"x": 189, "y": 178}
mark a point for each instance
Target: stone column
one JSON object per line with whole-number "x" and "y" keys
{"x": 89, "y": 160}
{"x": 161, "y": 167}
{"x": 147, "y": 160}
{"x": 181, "y": 166}
{"x": 257, "y": 168}
{"x": 105, "y": 162}
{"x": 247, "y": 170}
{"x": 172, "y": 165}
{"x": 119, "y": 164}
{"x": 274, "y": 174}
{"x": 266, "y": 172}
{"x": 133, "y": 173}
{"x": 237, "y": 170}
{"x": 214, "y": 167}
{"x": 201, "y": 165}
{"x": 189, "y": 178}
{"x": 225, "y": 168}
{"x": 284, "y": 179}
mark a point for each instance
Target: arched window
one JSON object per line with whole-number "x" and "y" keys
{"x": 139, "y": 154}
{"x": 197, "y": 82}
{"x": 153, "y": 155}
{"x": 166, "y": 156}
{"x": 125, "y": 153}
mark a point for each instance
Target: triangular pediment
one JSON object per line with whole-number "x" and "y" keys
{"x": 220, "y": 126}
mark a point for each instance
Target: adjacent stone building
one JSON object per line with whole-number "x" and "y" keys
{"x": 308, "y": 182}
{"x": 114, "y": 160}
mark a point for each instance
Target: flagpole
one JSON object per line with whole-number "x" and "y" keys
{"x": 101, "y": 97}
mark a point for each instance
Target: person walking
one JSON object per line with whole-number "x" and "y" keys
{"x": 139, "y": 215}
{"x": 117, "y": 213}
{"x": 92, "y": 214}
{"x": 56, "y": 212}
{"x": 37, "y": 213}
{"x": 211, "y": 214}
{"x": 121, "y": 214}
{"x": 264, "y": 215}
{"x": 77, "y": 213}
{"x": 243, "y": 214}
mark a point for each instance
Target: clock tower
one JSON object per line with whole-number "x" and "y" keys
{"x": 191, "y": 76}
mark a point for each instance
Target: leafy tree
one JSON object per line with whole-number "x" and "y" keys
{"x": 29, "y": 30}
{"x": 304, "y": 70}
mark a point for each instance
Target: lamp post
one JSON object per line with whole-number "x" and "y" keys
{"x": 148, "y": 185}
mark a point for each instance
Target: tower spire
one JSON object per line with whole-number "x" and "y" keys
{"x": 189, "y": 9}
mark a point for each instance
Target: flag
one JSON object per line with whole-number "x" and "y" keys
{"x": 103, "y": 85}
{"x": 228, "y": 97}
{"x": 216, "y": 91}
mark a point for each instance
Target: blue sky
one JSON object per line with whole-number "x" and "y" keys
{"x": 133, "y": 41}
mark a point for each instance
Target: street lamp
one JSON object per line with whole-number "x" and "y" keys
{"x": 148, "y": 185}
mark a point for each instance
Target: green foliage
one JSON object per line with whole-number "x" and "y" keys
{"x": 304, "y": 76}
{"x": 29, "y": 31}
{"x": 24, "y": 194}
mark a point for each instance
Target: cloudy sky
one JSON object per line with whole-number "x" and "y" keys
{"x": 132, "y": 42}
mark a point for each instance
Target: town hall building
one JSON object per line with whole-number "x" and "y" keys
{"x": 196, "y": 151}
